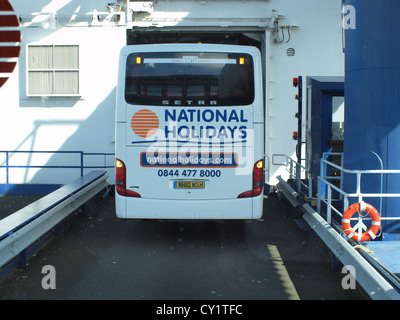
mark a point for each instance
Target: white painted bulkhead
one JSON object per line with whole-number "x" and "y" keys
{"x": 85, "y": 121}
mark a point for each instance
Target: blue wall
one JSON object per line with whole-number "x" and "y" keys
{"x": 372, "y": 99}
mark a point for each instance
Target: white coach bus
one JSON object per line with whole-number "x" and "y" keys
{"x": 189, "y": 132}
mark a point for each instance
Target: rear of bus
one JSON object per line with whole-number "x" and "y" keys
{"x": 189, "y": 132}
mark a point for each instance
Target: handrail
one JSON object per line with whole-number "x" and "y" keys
{"x": 358, "y": 171}
{"x": 324, "y": 179}
{"x": 370, "y": 279}
{"x": 368, "y": 272}
{"x": 295, "y": 170}
{"x": 6, "y": 164}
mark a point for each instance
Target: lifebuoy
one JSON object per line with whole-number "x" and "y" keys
{"x": 375, "y": 223}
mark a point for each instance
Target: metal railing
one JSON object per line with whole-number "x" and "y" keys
{"x": 377, "y": 281}
{"x": 328, "y": 191}
{"x": 326, "y": 187}
{"x": 81, "y": 161}
{"x": 297, "y": 172}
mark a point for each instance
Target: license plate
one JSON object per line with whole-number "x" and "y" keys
{"x": 189, "y": 184}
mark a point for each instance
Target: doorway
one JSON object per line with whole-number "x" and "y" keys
{"x": 324, "y": 122}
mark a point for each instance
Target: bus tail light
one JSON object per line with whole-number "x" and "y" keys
{"x": 120, "y": 180}
{"x": 258, "y": 181}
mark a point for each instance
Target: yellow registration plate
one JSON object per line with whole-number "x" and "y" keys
{"x": 189, "y": 184}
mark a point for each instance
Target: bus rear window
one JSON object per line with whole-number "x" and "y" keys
{"x": 189, "y": 79}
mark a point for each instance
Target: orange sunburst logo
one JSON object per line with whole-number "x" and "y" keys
{"x": 145, "y": 123}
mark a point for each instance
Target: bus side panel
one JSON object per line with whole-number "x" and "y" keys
{"x": 258, "y": 206}
{"x": 120, "y": 152}
{"x": 120, "y": 206}
{"x": 120, "y": 100}
{"x": 259, "y": 146}
{"x": 259, "y": 96}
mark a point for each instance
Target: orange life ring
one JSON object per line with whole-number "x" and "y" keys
{"x": 375, "y": 223}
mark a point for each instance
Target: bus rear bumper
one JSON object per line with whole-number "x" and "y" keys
{"x": 139, "y": 208}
